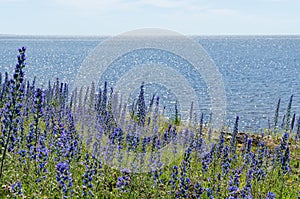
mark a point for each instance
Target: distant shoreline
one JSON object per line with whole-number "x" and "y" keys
{"x": 17, "y": 36}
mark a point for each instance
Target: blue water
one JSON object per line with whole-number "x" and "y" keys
{"x": 256, "y": 70}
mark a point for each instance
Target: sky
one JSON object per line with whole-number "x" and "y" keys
{"x": 112, "y": 17}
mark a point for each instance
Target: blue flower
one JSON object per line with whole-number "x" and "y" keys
{"x": 285, "y": 163}
{"x": 17, "y": 188}
{"x": 271, "y": 195}
{"x": 63, "y": 177}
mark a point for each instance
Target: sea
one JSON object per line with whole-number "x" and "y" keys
{"x": 256, "y": 71}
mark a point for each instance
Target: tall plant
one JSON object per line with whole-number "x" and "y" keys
{"x": 12, "y": 109}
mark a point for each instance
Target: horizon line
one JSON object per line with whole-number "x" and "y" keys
{"x": 106, "y": 35}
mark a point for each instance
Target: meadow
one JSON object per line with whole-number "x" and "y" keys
{"x": 91, "y": 145}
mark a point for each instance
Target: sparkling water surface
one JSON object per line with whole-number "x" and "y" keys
{"x": 256, "y": 70}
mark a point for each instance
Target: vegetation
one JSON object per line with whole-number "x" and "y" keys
{"x": 93, "y": 146}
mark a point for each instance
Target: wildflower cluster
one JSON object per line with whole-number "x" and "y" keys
{"x": 89, "y": 144}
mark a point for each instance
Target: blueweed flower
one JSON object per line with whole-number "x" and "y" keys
{"x": 74, "y": 140}
{"x": 174, "y": 178}
{"x": 277, "y": 157}
{"x": 226, "y": 161}
{"x": 116, "y": 136}
{"x": 285, "y": 163}
{"x": 63, "y": 177}
{"x": 12, "y": 109}
{"x": 109, "y": 152}
{"x": 104, "y": 99}
{"x": 167, "y": 135}
{"x": 298, "y": 131}
{"x": 186, "y": 162}
{"x": 198, "y": 190}
{"x": 276, "y": 117}
{"x": 17, "y": 188}
{"x": 209, "y": 193}
{"x": 116, "y": 143}
{"x": 155, "y": 117}
{"x": 0, "y": 80}
{"x": 38, "y": 111}
{"x": 233, "y": 142}
{"x": 145, "y": 143}
{"x": 22, "y": 154}
{"x": 109, "y": 119}
{"x": 205, "y": 162}
{"x": 248, "y": 152}
{"x": 220, "y": 146}
{"x": 88, "y": 176}
{"x": 41, "y": 158}
{"x": 271, "y": 195}
{"x": 258, "y": 171}
{"x": 157, "y": 170}
{"x": 293, "y": 122}
{"x": 132, "y": 141}
{"x": 29, "y": 138}
{"x": 288, "y": 113}
{"x": 61, "y": 141}
{"x": 261, "y": 153}
{"x": 284, "y": 141}
{"x": 141, "y": 112}
{"x": 65, "y": 141}
{"x": 123, "y": 182}
{"x": 246, "y": 191}
{"x": 39, "y": 99}
{"x": 283, "y": 122}
{"x": 245, "y": 142}
{"x": 184, "y": 184}
{"x": 234, "y": 183}
{"x": 177, "y": 120}
{"x": 97, "y": 144}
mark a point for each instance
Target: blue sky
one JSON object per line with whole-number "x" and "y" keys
{"x": 111, "y": 17}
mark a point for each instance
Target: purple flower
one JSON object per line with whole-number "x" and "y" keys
{"x": 124, "y": 181}
{"x": 184, "y": 187}
{"x": 11, "y": 114}
{"x": 233, "y": 142}
{"x": 88, "y": 176}
{"x": 141, "y": 107}
{"x": 209, "y": 193}
{"x": 198, "y": 189}
{"x": 234, "y": 183}
{"x": 271, "y": 195}
{"x": 246, "y": 192}
{"x": 284, "y": 141}
{"x": 63, "y": 177}
{"x": 248, "y": 153}
{"x": 285, "y": 163}
{"x": 17, "y": 188}
{"x": 226, "y": 161}
{"x": 298, "y": 130}
{"x": 174, "y": 178}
